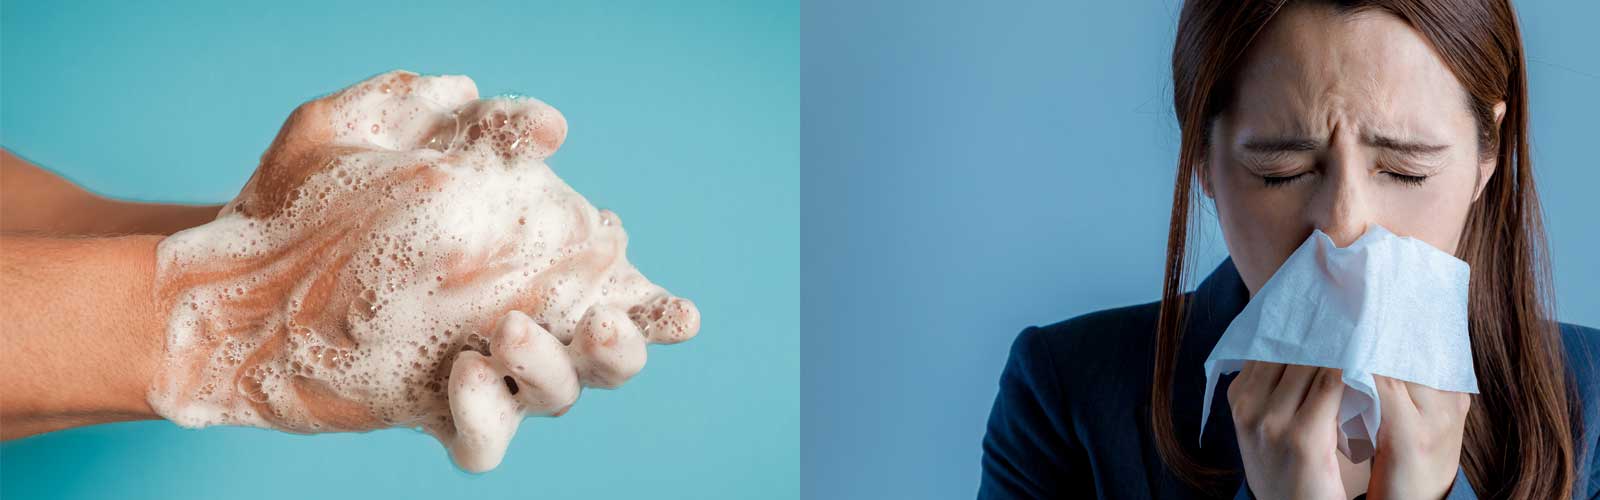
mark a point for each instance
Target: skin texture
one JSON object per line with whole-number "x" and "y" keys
{"x": 404, "y": 258}
{"x": 82, "y": 334}
{"x": 78, "y": 270}
{"x": 38, "y": 202}
{"x": 530, "y": 294}
{"x": 1342, "y": 106}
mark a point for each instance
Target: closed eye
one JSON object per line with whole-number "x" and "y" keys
{"x": 1411, "y": 180}
{"x": 1281, "y": 180}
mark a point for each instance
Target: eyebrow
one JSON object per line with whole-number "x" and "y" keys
{"x": 1301, "y": 144}
{"x": 1281, "y": 145}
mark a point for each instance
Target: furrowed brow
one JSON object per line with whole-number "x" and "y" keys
{"x": 1413, "y": 148}
{"x": 1281, "y": 145}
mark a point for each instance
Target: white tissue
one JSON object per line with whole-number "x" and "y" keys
{"x": 1385, "y": 305}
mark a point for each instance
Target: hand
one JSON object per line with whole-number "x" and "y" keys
{"x": 1419, "y": 440}
{"x": 1286, "y": 418}
{"x": 404, "y": 258}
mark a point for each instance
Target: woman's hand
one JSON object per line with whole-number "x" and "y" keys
{"x": 403, "y": 257}
{"x": 1419, "y": 441}
{"x": 1286, "y": 417}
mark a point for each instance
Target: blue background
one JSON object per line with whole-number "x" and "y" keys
{"x": 684, "y": 119}
{"x": 972, "y": 168}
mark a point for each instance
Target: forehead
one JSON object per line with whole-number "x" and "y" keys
{"x": 1314, "y": 66}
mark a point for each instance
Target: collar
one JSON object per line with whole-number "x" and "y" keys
{"x": 1213, "y": 305}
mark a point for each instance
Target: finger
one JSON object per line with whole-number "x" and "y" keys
{"x": 1268, "y": 374}
{"x": 308, "y": 126}
{"x": 1433, "y": 402}
{"x": 446, "y": 91}
{"x": 609, "y": 348}
{"x": 1251, "y": 392}
{"x": 399, "y": 110}
{"x": 1291, "y": 389}
{"x": 512, "y": 128}
{"x": 1395, "y": 402}
{"x": 662, "y": 317}
{"x": 1248, "y": 371}
{"x": 545, "y": 380}
{"x": 1322, "y": 400}
{"x": 485, "y": 413}
{"x": 1240, "y": 386}
{"x": 426, "y": 117}
{"x": 667, "y": 319}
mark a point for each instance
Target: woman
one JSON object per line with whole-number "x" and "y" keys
{"x": 1409, "y": 114}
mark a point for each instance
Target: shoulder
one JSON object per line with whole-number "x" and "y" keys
{"x": 1111, "y": 346}
{"x": 1063, "y": 392}
{"x": 1583, "y": 362}
{"x": 1084, "y": 338}
{"x": 1576, "y": 335}
{"x": 1583, "y": 355}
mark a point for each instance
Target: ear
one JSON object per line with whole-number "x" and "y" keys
{"x": 1202, "y": 168}
{"x": 1487, "y": 166}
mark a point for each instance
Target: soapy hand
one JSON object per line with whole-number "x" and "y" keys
{"x": 1286, "y": 421}
{"x": 1419, "y": 443}
{"x": 403, "y": 257}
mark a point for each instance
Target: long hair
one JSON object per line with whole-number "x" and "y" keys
{"x": 1518, "y": 441}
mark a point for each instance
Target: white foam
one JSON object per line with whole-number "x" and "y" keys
{"x": 360, "y": 299}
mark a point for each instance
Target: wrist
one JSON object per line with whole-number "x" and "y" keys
{"x": 114, "y": 217}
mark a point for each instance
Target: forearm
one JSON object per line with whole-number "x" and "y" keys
{"x": 33, "y": 200}
{"x": 82, "y": 332}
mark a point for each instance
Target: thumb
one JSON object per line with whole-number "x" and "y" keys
{"x": 485, "y": 413}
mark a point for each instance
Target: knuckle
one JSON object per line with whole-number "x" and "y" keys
{"x": 1245, "y": 421}
{"x": 1236, "y": 391}
{"x": 308, "y": 109}
{"x": 1329, "y": 380}
{"x": 1300, "y": 443}
{"x": 1274, "y": 426}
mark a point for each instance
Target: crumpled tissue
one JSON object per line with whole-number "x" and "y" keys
{"x": 1384, "y": 305}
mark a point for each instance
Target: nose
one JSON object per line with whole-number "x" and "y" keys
{"x": 1340, "y": 206}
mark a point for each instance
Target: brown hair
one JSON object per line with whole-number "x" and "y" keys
{"x": 1518, "y": 441}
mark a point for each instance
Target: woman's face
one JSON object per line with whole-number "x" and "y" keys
{"x": 1341, "y": 120}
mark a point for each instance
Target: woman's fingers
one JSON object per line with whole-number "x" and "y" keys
{"x": 485, "y": 413}
{"x": 1322, "y": 399}
{"x": 1291, "y": 389}
{"x": 1242, "y": 389}
{"x": 1268, "y": 374}
{"x": 1432, "y": 402}
{"x": 1395, "y": 401}
{"x": 609, "y": 348}
{"x": 545, "y": 379}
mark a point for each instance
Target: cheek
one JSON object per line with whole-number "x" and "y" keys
{"x": 1435, "y": 212}
{"x": 1261, "y": 226}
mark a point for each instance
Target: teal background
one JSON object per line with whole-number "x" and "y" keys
{"x": 972, "y": 168}
{"x": 684, "y": 119}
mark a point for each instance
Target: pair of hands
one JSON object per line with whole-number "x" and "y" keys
{"x": 1285, "y": 417}
{"x": 403, "y": 257}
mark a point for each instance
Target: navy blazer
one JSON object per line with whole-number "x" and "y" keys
{"x": 1070, "y": 417}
